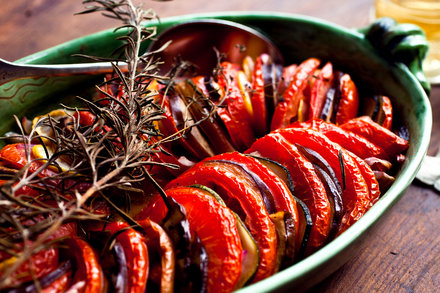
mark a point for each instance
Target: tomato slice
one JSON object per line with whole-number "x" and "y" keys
{"x": 89, "y": 277}
{"x": 319, "y": 91}
{"x": 377, "y": 134}
{"x": 307, "y": 185}
{"x": 356, "y": 196}
{"x": 39, "y": 264}
{"x": 370, "y": 178}
{"x": 349, "y": 100}
{"x": 136, "y": 255}
{"x": 232, "y": 108}
{"x": 236, "y": 191}
{"x": 216, "y": 228}
{"x": 15, "y": 154}
{"x": 348, "y": 140}
{"x": 286, "y": 77}
{"x": 387, "y": 108}
{"x": 258, "y": 99}
{"x": 283, "y": 199}
{"x": 162, "y": 258}
{"x": 286, "y": 111}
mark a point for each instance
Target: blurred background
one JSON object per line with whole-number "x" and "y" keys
{"x": 29, "y": 26}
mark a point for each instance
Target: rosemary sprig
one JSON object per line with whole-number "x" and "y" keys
{"x": 112, "y": 152}
{"x": 91, "y": 152}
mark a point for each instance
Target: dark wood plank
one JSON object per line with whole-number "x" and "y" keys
{"x": 400, "y": 255}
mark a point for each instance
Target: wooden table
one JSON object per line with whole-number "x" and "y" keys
{"x": 402, "y": 255}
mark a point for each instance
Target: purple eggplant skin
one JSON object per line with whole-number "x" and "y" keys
{"x": 306, "y": 222}
{"x": 289, "y": 255}
{"x": 332, "y": 99}
{"x": 213, "y": 128}
{"x": 305, "y": 228}
{"x": 320, "y": 161}
{"x": 120, "y": 279}
{"x": 335, "y": 198}
{"x": 191, "y": 264}
{"x": 264, "y": 190}
{"x": 183, "y": 118}
{"x": 333, "y": 188}
{"x": 44, "y": 282}
{"x": 271, "y": 76}
{"x": 280, "y": 170}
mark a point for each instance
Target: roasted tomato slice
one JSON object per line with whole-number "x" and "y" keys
{"x": 287, "y": 74}
{"x": 349, "y": 100}
{"x": 265, "y": 80}
{"x": 39, "y": 264}
{"x": 161, "y": 257}
{"x": 353, "y": 142}
{"x": 88, "y": 276}
{"x": 280, "y": 193}
{"x": 136, "y": 255}
{"x": 307, "y": 185}
{"x": 216, "y": 228}
{"x": 387, "y": 108}
{"x": 356, "y": 196}
{"x": 16, "y": 156}
{"x": 319, "y": 90}
{"x": 286, "y": 111}
{"x": 232, "y": 108}
{"x": 259, "y": 119}
{"x": 238, "y": 193}
{"x": 377, "y": 134}
{"x": 370, "y": 178}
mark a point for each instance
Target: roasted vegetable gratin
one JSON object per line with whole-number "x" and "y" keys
{"x": 285, "y": 163}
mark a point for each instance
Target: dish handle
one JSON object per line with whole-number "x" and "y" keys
{"x": 405, "y": 43}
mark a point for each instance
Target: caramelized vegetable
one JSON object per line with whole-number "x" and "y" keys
{"x": 384, "y": 138}
{"x": 224, "y": 219}
{"x": 286, "y": 111}
{"x": 308, "y": 186}
{"x": 217, "y": 230}
{"x": 238, "y": 193}
{"x": 355, "y": 191}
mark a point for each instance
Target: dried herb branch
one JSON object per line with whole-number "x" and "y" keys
{"x": 69, "y": 163}
{"x": 76, "y": 161}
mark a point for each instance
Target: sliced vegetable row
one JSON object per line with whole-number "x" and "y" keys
{"x": 250, "y": 100}
{"x": 295, "y": 190}
{"x": 281, "y": 168}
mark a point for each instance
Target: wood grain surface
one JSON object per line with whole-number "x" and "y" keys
{"x": 402, "y": 254}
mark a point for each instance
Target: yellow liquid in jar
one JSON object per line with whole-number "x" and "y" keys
{"x": 426, "y": 15}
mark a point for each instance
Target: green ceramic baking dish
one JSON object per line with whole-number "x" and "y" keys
{"x": 387, "y": 64}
